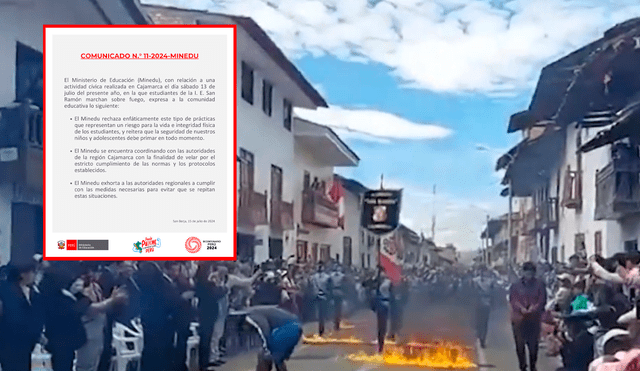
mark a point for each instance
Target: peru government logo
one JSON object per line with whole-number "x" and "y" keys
{"x": 147, "y": 245}
{"x": 193, "y": 245}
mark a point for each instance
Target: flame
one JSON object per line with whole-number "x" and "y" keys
{"x": 317, "y": 339}
{"x": 445, "y": 356}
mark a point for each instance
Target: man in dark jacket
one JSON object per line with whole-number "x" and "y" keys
{"x": 21, "y": 317}
{"x": 182, "y": 292}
{"x": 118, "y": 274}
{"x": 527, "y": 298}
{"x": 209, "y": 291}
{"x": 280, "y": 332}
{"x": 159, "y": 308}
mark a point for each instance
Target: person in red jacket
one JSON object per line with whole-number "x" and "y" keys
{"x": 527, "y": 298}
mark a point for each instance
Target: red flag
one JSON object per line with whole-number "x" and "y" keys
{"x": 390, "y": 256}
{"x": 336, "y": 194}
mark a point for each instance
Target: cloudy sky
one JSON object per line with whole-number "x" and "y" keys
{"x": 416, "y": 86}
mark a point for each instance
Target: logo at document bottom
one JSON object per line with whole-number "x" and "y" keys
{"x": 61, "y": 245}
{"x": 193, "y": 245}
{"x": 211, "y": 244}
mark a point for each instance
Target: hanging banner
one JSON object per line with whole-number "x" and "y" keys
{"x": 391, "y": 253}
{"x": 381, "y": 211}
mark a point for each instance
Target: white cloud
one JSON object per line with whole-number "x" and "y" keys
{"x": 372, "y": 125}
{"x": 441, "y": 45}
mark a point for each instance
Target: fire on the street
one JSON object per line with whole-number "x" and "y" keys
{"x": 441, "y": 357}
{"x": 318, "y": 340}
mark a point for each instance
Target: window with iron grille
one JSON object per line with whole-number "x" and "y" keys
{"x": 572, "y": 196}
{"x": 598, "y": 242}
{"x": 35, "y": 127}
{"x": 245, "y": 160}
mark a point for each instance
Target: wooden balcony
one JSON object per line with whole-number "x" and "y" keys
{"x": 618, "y": 190}
{"x": 281, "y": 216}
{"x": 318, "y": 210}
{"x": 252, "y": 208}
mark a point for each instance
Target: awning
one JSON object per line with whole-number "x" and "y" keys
{"x": 505, "y": 159}
{"x": 626, "y": 124}
{"x": 534, "y": 161}
{"x": 520, "y": 121}
{"x": 576, "y": 83}
{"x": 323, "y": 144}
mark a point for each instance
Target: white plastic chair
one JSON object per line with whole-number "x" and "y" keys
{"x": 128, "y": 348}
{"x": 192, "y": 348}
{"x": 40, "y": 359}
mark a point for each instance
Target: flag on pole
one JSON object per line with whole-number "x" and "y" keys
{"x": 335, "y": 191}
{"x": 391, "y": 252}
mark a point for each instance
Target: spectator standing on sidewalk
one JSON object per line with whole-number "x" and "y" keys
{"x": 527, "y": 299}
{"x": 21, "y": 317}
{"x": 209, "y": 290}
{"x": 88, "y": 357}
{"x": 118, "y": 274}
{"x": 159, "y": 308}
{"x": 320, "y": 283}
{"x": 183, "y": 293}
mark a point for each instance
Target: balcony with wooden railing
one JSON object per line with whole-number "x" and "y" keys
{"x": 618, "y": 190}
{"x": 252, "y": 208}
{"x": 319, "y": 210}
{"x": 281, "y": 216}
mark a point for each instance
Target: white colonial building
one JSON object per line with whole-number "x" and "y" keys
{"x": 578, "y": 162}
{"x": 319, "y": 233}
{"x": 21, "y": 42}
{"x": 285, "y": 164}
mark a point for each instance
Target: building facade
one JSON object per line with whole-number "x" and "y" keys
{"x": 576, "y": 166}
{"x": 269, "y": 87}
{"x": 323, "y": 230}
{"x": 21, "y": 135}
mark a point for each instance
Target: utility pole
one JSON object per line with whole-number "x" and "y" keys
{"x": 486, "y": 249}
{"x": 510, "y": 229}
{"x": 433, "y": 219}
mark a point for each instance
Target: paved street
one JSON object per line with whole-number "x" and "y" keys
{"x": 448, "y": 321}
{"x": 500, "y": 351}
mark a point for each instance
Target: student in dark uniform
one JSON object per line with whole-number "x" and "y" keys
{"x": 280, "y": 332}
{"x": 382, "y": 306}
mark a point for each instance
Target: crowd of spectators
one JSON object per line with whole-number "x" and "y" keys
{"x": 589, "y": 318}
{"x": 70, "y": 309}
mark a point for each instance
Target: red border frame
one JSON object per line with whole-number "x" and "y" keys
{"x": 235, "y": 145}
